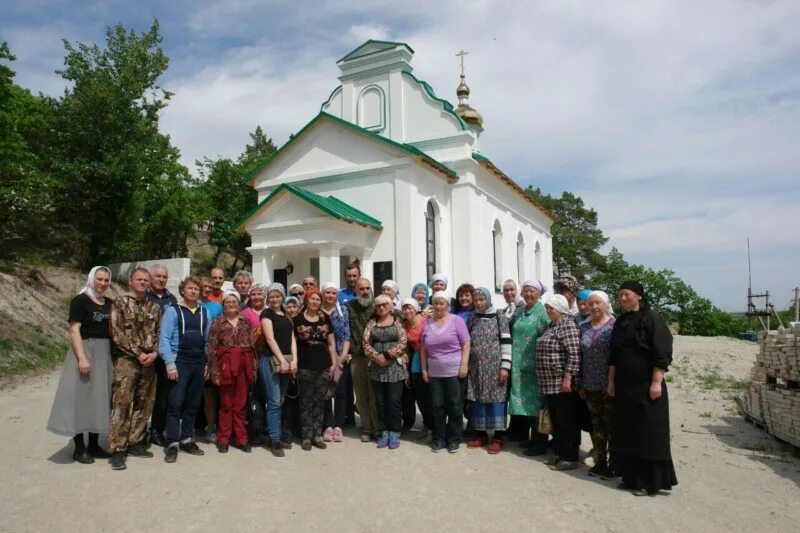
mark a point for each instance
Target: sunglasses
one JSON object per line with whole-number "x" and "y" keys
{"x": 381, "y": 305}
{"x": 301, "y": 293}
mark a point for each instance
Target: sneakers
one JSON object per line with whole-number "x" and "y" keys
{"x": 383, "y": 440}
{"x": 211, "y": 433}
{"x": 171, "y": 454}
{"x": 394, "y": 442}
{"x": 277, "y": 450}
{"x": 452, "y": 447}
{"x": 564, "y": 465}
{"x": 338, "y": 436}
{"x": 475, "y": 443}
{"x": 437, "y": 446}
{"x": 222, "y": 448}
{"x": 328, "y": 435}
{"x": 496, "y": 447}
{"x": 118, "y": 461}
{"x": 138, "y": 450}
{"x": 317, "y": 442}
{"x": 191, "y": 448}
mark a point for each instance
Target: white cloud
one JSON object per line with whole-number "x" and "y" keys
{"x": 679, "y": 121}
{"x": 358, "y": 33}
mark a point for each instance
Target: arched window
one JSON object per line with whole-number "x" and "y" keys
{"x": 371, "y": 108}
{"x": 430, "y": 241}
{"x": 520, "y": 258}
{"x": 497, "y": 247}
{"x": 537, "y": 260}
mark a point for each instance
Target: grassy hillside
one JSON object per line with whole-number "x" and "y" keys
{"x": 34, "y": 304}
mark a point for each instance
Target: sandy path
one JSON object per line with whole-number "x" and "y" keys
{"x": 732, "y": 477}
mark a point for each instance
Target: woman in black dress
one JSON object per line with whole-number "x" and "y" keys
{"x": 641, "y": 352}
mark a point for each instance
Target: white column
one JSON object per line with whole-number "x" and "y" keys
{"x": 366, "y": 265}
{"x": 329, "y": 267}
{"x": 262, "y": 267}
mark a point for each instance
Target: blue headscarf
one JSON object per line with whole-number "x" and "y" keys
{"x": 427, "y": 292}
{"x": 583, "y": 294}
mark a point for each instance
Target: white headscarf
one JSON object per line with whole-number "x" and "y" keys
{"x": 331, "y": 285}
{"x": 512, "y": 307}
{"x": 441, "y": 294}
{"x": 439, "y": 277}
{"x": 605, "y": 299}
{"x": 413, "y": 303}
{"x": 558, "y": 302}
{"x": 231, "y": 292}
{"x": 89, "y": 288}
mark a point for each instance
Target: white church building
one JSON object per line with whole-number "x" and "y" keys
{"x": 390, "y": 175}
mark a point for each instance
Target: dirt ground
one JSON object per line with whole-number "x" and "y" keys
{"x": 732, "y": 476}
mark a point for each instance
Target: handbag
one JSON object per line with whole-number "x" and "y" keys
{"x": 275, "y": 363}
{"x": 545, "y": 424}
{"x": 254, "y": 416}
{"x": 333, "y": 384}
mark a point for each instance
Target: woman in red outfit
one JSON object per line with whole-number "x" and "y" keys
{"x": 232, "y": 367}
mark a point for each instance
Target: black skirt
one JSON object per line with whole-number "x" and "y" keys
{"x": 649, "y": 474}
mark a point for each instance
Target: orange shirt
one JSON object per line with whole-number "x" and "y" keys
{"x": 216, "y": 297}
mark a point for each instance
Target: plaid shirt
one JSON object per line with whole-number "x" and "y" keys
{"x": 558, "y": 352}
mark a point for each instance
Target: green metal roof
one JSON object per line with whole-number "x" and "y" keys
{"x": 330, "y": 205}
{"x": 386, "y": 45}
{"x": 412, "y": 150}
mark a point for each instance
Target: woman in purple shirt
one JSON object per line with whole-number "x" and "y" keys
{"x": 444, "y": 358}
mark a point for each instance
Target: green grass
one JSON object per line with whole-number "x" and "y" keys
{"x": 715, "y": 381}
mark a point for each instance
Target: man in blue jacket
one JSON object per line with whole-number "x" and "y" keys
{"x": 184, "y": 334}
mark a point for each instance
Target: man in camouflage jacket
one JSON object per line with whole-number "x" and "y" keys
{"x": 135, "y": 328}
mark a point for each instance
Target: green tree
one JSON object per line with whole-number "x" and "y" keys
{"x": 576, "y": 238}
{"x": 26, "y": 188}
{"x": 109, "y": 148}
{"x": 674, "y": 299}
{"x": 228, "y": 198}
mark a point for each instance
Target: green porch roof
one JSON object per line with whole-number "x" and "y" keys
{"x": 412, "y": 150}
{"x": 330, "y": 205}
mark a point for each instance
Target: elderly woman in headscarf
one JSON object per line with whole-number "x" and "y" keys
{"x": 641, "y": 352}
{"x": 83, "y": 397}
{"x": 582, "y": 302}
{"x": 558, "y": 364}
{"x": 489, "y": 366}
{"x": 231, "y": 367}
{"x": 340, "y": 318}
{"x": 256, "y": 303}
{"x": 392, "y": 290}
{"x": 595, "y": 337}
{"x": 420, "y": 292}
{"x": 524, "y": 400}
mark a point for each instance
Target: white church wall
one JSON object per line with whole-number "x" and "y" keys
{"x": 423, "y": 115}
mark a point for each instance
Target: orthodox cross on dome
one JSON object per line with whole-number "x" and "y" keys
{"x": 468, "y": 114}
{"x": 461, "y": 54}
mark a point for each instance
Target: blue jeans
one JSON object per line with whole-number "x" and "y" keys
{"x": 183, "y": 401}
{"x": 275, "y": 392}
{"x": 447, "y": 405}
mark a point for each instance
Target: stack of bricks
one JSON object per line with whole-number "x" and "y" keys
{"x": 772, "y": 397}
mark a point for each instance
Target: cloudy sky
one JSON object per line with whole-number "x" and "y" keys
{"x": 679, "y": 121}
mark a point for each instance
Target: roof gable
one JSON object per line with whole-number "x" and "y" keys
{"x": 330, "y": 205}
{"x": 404, "y": 149}
{"x": 374, "y": 46}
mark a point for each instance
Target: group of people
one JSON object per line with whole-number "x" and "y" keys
{"x": 540, "y": 370}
